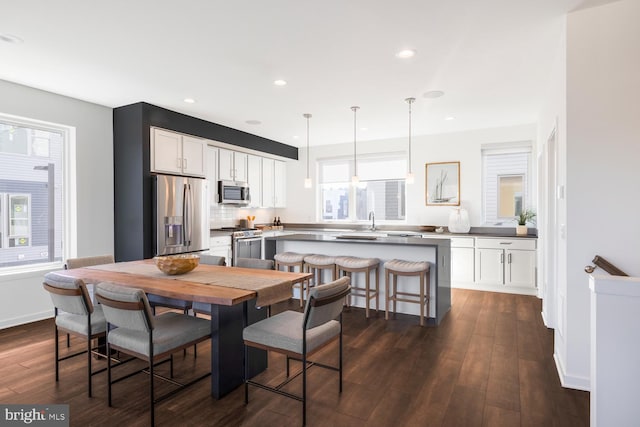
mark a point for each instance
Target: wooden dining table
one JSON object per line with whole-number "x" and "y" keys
{"x": 238, "y": 297}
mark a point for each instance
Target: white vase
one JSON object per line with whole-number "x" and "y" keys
{"x": 459, "y": 221}
{"x": 521, "y": 230}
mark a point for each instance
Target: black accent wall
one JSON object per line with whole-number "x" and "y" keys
{"x": 132, "y": 177}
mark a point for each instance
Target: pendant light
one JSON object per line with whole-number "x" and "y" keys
{"x": 354, "y": 179}
{"x": 410, "y": 178}
{"x": 307, "y": 180}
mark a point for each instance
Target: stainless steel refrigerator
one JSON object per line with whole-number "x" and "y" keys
{"x": 181, "y": 215}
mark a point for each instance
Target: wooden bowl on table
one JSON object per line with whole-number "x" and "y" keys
{"x": 177, "y": 264}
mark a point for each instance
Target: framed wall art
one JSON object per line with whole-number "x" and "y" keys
{"x": 442, "y": 184}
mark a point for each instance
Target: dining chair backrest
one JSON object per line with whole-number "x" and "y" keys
{"x": 325, "y": 302}
{"x": 68, "y": 294}
{"x": 88, "y": 261}
{"x": 125, "y": 307}
{"x": 212, "y": 260}
{"x": 262, "y": 264}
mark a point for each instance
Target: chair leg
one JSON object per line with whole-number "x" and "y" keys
{"x": 421, "y": 299}
{"x": 366, "y": 293}
{"x": 89, "y": 362}
{"x": 340, "y": 357}
{"x": 108, "y": 369}
{"x": 387, "y": 288}
{"x": 304, "y": 389}
{"x": 246, "y": 375}
{"x": 395, "y": 293}
{"x": 153, "y": 406}
{"x": 377, "y": 272}
{"x": 57, "y": 352}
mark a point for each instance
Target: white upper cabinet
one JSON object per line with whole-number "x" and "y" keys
{"x": 212, "y": 174}
{"x": 267, "y": 183}
{"x": 177, "y": 154}
{"x": 254, "y": 178}
{"x": 280, "y": 184}
{"x": 232, "y": 165}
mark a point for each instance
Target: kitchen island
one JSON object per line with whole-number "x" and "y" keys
{"x": 436, "y": 251}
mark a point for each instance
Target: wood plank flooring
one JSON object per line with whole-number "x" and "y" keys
{"x": 488, "y": 364}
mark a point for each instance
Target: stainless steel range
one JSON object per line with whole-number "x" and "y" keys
{"x": 246, "y": 243}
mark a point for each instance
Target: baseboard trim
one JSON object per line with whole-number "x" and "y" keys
{"x": 501, "y": 289}
{"x": 33, "y": 317}
{"x": 568, "y": 381}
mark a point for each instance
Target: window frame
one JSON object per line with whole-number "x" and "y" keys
{"x": 68, "y": 206}
{"x": 528, "y": 202}
{"x": 352, "y": 193}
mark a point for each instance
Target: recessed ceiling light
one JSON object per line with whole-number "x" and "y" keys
{"x": 280, "y": 82}
{"x": 253, "y": 122}
{"x": 364, "y": 129}
{"x": 449, "y": 118}
{"x": 189, "y": 100}
{"x": 10, "y": 38}
{"x": 433, "y": 94}
{"x": 295, "y": 137}
{"x": 406, "y": 53}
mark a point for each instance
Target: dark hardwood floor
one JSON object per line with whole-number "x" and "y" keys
{"x": 488, "y": 364}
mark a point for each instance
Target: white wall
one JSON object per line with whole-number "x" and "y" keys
{"x": 461, "y": 146}
{"x": 22, "y": 298}
{"x": 601, "y": 165}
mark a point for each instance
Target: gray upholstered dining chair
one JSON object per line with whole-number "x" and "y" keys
{"x": 300, "y": 335}
{"x": 263, "y": 264}
{"x": 74, "y": 314}
{"x": 178, "y": 304}
{"x": 133, "y": 329}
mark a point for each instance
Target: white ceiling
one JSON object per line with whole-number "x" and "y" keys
{"x": 490, "y": 57}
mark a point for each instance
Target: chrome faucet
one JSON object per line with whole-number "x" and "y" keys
{"x": 372, "y": 218}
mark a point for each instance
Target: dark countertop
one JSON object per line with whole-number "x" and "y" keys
{"x": 509, "y": 232}
{"x": 416, "y": 241}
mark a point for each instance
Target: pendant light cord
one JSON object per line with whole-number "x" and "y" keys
{"x": 355, "y": 163}
{"x": 410, "y": 101}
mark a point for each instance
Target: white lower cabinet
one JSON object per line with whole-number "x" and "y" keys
{"x": 506, "y": 263}
{"x": 462, "y": 260}
{"x": 221, "y": 246}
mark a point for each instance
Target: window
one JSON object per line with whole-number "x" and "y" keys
{"x": 506, "y": 183}
{"x": 31, "y": 182}
{"x": 381, "y": 189}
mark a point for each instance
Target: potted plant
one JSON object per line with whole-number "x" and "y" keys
{"x": 526, "y": 215}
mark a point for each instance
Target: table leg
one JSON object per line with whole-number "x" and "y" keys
{"x": 227, "y": 349}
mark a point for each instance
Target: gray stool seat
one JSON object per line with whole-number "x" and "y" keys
{"x": 398, "y": 267}
{"x": 407, "y": 266}
{"x": 356, "y": 262}
{"x": 317, "y": 259}
{"x": 289, "y": 258}
{"x": 349, "y": 265}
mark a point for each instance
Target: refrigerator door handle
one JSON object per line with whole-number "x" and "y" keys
{"x": 185, "y": 214}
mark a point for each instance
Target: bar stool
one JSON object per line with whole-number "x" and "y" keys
{"x": 350, "y": 265}
{"x": 291, "y": 260}
{"x": 398, "y": 267}
{"x": 316, "y": 264}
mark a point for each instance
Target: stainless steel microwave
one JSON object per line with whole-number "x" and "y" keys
{"x": 233, "y": 193}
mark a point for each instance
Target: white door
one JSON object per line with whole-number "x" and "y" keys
{"x": 166, "y": 151}
{"x": 193, "y": 156}
{"x": 490, "y": 266}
